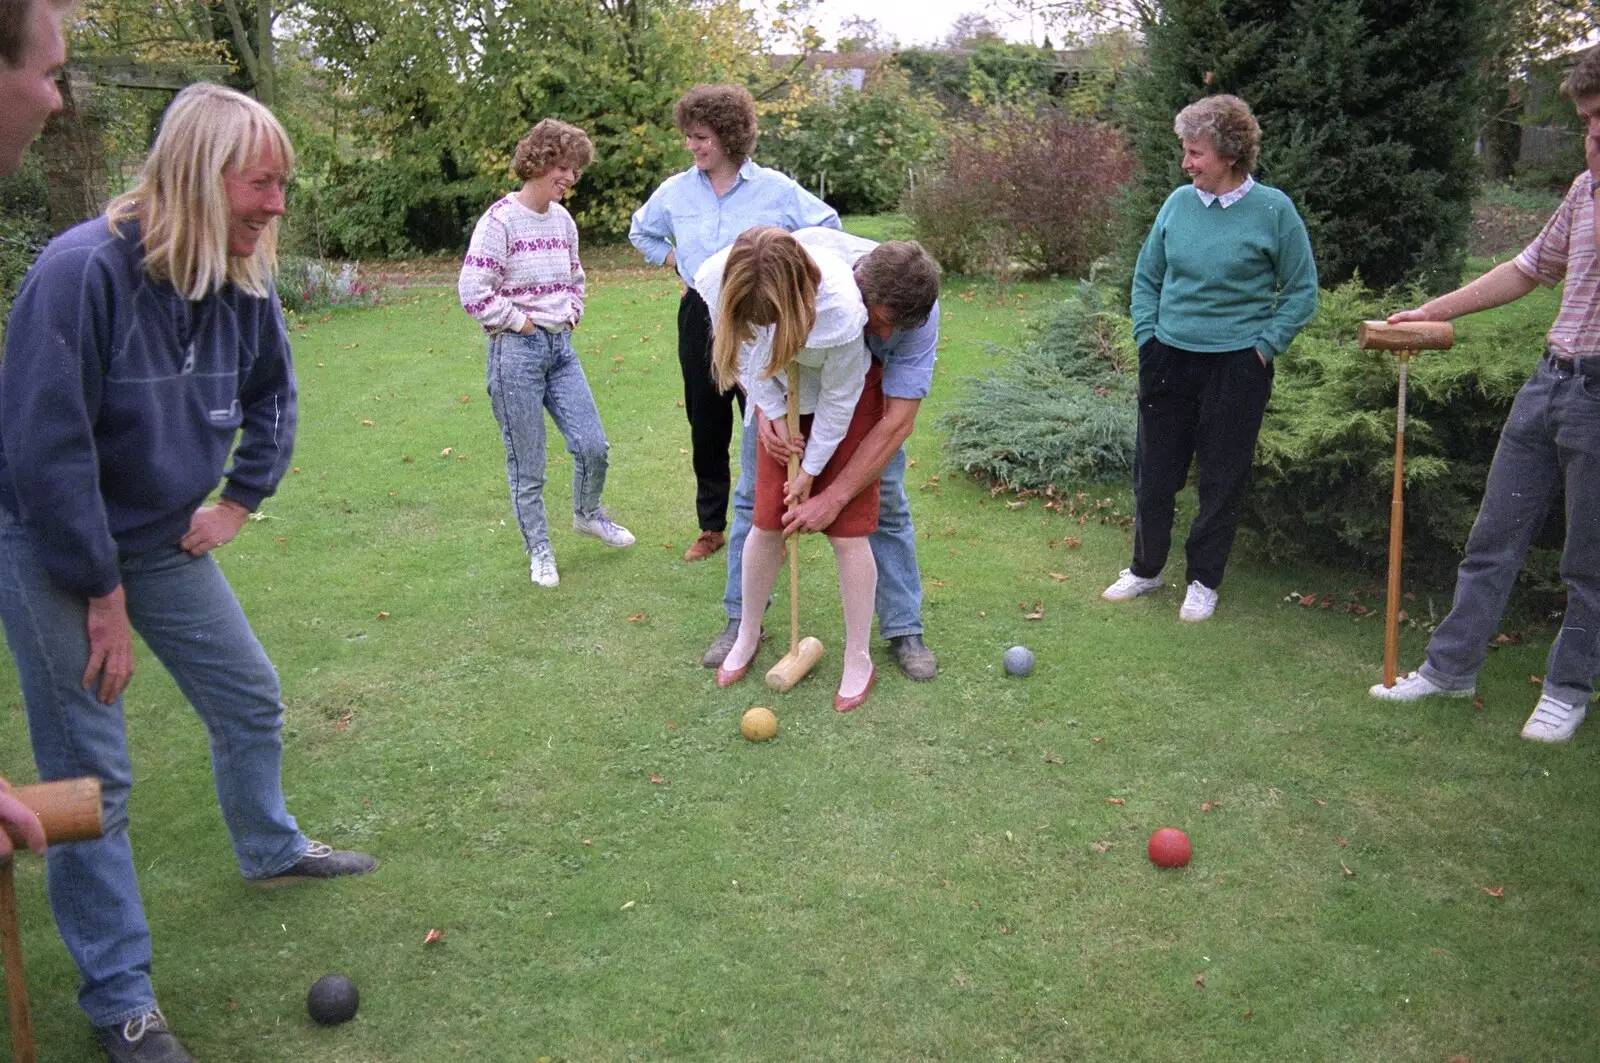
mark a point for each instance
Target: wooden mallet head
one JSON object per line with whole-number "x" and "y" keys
{"x": 1406, "y": 336}
{"x": 793, "y": 666}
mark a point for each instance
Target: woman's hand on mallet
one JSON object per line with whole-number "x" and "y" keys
{"x": 774, "y": 439}
{"x": 19, "y": 817}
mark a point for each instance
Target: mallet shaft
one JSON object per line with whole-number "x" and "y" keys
{"x": 1397, "y": 520}
{"x": 16, "y": 978}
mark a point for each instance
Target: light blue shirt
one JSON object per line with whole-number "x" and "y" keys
{"x": 686, "y": 215}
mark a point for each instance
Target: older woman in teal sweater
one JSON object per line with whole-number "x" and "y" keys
{"x": 1224, "y": 282}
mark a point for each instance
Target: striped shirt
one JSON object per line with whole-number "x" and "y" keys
{"x": 1566, "y": 250}
{"x": 523, "y": 266}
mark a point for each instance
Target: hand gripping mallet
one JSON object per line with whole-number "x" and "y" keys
{"x": 1405, "y": 339}
{"x": 69, "y": 811}
{"x": 804, "y": 653}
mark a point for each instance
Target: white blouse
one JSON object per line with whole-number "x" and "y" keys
{"x": 833, "y": 364}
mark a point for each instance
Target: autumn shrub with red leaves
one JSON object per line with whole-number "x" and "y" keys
{"x": 1036, "y": 188}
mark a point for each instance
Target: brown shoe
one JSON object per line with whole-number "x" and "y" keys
{"x": 708, "y": 543}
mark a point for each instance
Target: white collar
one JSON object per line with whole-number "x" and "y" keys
{"x": 1227, "y": 199}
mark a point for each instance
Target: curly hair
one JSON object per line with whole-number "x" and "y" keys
{"x": 549, "y": 144}
{"x": 1584, "y": 77}
{"x": 769, "y": 279}
{"x": 901, "y": 277}
{"x": 1226, "y": 121}
{"x": 729, "y": 111}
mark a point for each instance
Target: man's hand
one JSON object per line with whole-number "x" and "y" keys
{"x": 798, "y": 489}
{"x": 110, "y": 646}
{"x": 18, "y": 817}
{"x": 814, "y": 514}
{"x": 774, "y": 439}
{"x": 213, "y": 526}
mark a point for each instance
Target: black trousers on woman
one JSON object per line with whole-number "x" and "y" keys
{"x": 1201, "y": 407}
{"x": 710, "y": 413}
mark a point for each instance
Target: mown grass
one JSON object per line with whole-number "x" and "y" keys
{"x": 955, "y": 871}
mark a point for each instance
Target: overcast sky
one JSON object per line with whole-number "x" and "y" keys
{"x": 912, "y": 21}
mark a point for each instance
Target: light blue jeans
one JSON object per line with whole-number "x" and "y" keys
{"x": 1550, "y": 439}
{"x": 528, "y": 375}
{"x": 898, "y": 601}
{"x": 186, "y": 613}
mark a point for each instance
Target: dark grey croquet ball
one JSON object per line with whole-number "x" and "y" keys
{"x": 1019, "y": 661}
{"x": 333, "y": 999}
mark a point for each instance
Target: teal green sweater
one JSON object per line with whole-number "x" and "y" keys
{"x": 1211, "y": 279}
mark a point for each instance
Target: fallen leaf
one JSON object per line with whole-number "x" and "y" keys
{"x": 1477, "y": 703}
{"x": 383, "y": 614}
{"x": 1199, "y": 981}
{"x": 1308, "y": 599}
{"x": 682, "y": 450}
{"x": 671, "y": 726}
{"x": 936, "y": 583}
{"x": 626, "y": 906}
{"x": 1115, "y": 800}
{"x": 1342, "y": 843}
{"x": 1249, "y": 1013}
{"x": 1536, "y": 680}
{"x": 1059, "y": 577}
{"x": 982, "y": 612}
{"x": 1038, "y": 610}
{"x": 1103, "y": 846}
{"x": 344, "y": 721}
{"x": 1320, "y": 802}
{"x": 446, "y": 452}
{"x": 656, "y": 779}
{"x": 1016, "y": 505}
{"x": 1495, "y": 891}
{"x": 1050, "y": 759}
{"x": 465, "y": 399}
{"x": 366, "y": 424}
{"x": 1404, "y": 616}
{"x": 635, "y": 618}
{"x": 406, "y": 458}
{"x": 588, "y": 841}
{"x": 1210, "y": 806}
{"x": 433, "y": 937}
{"x": 1346, "y": 869}
{"x": 1097, "y": 741}
{"x": 1072, "y": 543}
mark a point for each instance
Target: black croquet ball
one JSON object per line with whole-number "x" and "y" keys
{"x": 333, "y": 999}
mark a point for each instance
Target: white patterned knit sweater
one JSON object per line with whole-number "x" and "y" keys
{"x": 521, "y": 265}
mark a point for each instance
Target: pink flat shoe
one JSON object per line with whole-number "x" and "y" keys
{"x": 726, "y": 678}
{"x": 844, "y": 704}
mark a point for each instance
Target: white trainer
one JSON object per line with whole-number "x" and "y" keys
{"x": 1414, "y": 685}
{"x": 1198, "y": 603}
{"x": 1129, "y": 586}
{"x": 602, "y": 527}
{"x": 542, "y": 567}
{"x": 1553, "y": 721}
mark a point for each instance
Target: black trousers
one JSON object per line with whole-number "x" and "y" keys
{"x": 1201, "y": 407}
{"x": 710, "y": 413}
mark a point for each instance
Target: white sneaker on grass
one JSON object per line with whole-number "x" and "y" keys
{"x": 1415, "y": 685}
{"x": 1553, "y": 721}
{"x": 1198, "y": 603}
{"x": 542, "y": 567}
{"x": 602, "y": 527}
{"x": 1129, "y": 586}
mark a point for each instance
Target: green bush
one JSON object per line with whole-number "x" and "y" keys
{"x": 25, "y": 206}
{"x": 1059, "y": 411}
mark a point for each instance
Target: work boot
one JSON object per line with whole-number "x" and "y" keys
{"x": 913, "y": 657}
{"x": 142, "y": 1039}
{"x": 717, "y": 652}
{"x": 708, "y": 543}
{"x": 321, "y": 861}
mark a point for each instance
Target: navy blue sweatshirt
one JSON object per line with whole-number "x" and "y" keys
{"x": 120, "y": 401}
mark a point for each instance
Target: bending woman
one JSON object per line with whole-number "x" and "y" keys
{"x": 787, "y": 318}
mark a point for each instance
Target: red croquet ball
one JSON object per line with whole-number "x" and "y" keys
{"x": 1169, "y": 847}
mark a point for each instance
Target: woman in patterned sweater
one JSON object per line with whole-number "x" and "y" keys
{"x": 523, "y": 283}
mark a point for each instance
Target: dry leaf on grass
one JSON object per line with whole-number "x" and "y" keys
{"x": 1059, "y": 577}
{"x": 1199, "y": 981}
{"x": 1115, "y": 800}
{"x": 1036, "y": 614}
{"x": 1495, "y": 891}
{"x": 1346, "y": 869}
{"x": 635, "y": 618}
{"x": 433, "y": 937}
{"x": 1210, "y": 806}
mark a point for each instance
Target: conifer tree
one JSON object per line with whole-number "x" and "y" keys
{"x": 1368, "y": 112}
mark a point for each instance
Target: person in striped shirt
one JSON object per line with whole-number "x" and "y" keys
{"x": 1550, "y": 441}
{"x": 522, "y": 282}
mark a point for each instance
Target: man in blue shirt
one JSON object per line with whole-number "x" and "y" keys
{"x": 692, "y": 216}
{"x": 899, "y": 282}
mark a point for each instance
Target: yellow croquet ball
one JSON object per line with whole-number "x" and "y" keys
{"x": 759, "y": 724}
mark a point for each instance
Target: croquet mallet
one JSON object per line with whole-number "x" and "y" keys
{"x": 804, "y": 653}
{"x": 69, "y": 811}
{"x": 1405, "y": 340}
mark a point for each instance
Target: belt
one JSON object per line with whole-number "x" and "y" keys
{"x": 1563, "y": 363}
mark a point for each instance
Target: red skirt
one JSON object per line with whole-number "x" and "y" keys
{"x": 860, "y": 515}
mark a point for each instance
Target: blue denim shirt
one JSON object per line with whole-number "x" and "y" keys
{"x": 687, "y": 215}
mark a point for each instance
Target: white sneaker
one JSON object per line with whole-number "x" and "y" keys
{"x": 1414, "y": 685}
{"x": 1553, "y": 721}
{"x": 1198, "y": 604}
{"x": 602, "y": 527}
{"x": 1129, "y": 586}
{"x": 542, "y": 567}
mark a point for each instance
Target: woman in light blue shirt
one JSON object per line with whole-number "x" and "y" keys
{"x": 689, "y": 218}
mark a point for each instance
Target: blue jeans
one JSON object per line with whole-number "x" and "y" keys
{"x": 528, "y": 375}
{"x": 1551, "y": 438}
{"x": 894, "y": 545}
{"x": 186, "y": 613}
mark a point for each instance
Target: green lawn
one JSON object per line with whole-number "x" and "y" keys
{"x": 955, "y": 871}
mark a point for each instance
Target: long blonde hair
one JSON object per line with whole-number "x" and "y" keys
{"x": 769, "y": 280}
{"x": 180, "y": 202}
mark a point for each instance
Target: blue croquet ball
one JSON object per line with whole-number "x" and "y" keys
{"x": 1019, "y": 661}
{"x": 333, "y": 999}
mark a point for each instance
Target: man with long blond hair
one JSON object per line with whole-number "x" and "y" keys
{"x": 146, "y": 358}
